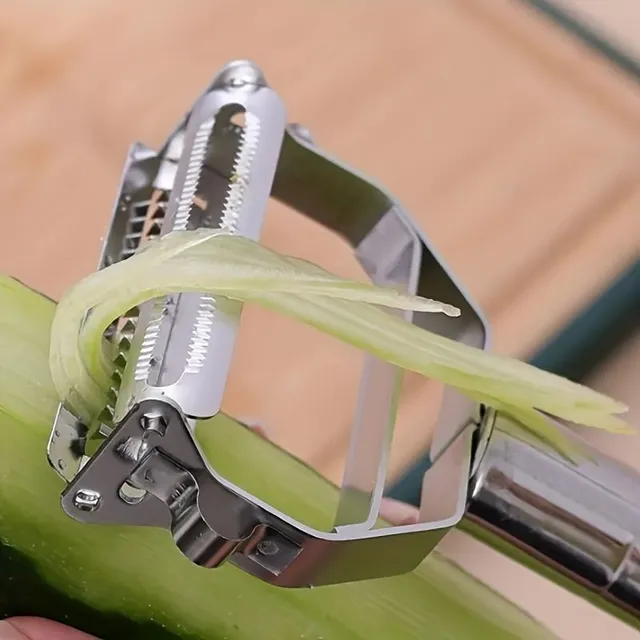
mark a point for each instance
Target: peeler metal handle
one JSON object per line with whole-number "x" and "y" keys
{"x": 578, "y": 524}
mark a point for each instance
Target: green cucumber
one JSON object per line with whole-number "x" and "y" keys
{"x": 118, "y": 582}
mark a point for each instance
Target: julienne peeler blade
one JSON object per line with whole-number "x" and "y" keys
{"x": 217, "y": 170}
{"x": 183, "y": 344}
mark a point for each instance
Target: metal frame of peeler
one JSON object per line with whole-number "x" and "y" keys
{"x": 148, "y": 469}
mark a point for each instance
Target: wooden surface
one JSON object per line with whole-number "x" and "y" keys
{"x": 516, "y": 149}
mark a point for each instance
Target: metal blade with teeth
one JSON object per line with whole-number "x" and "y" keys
{"x": 183, "y": 344}
{"x": 143, "y": 465}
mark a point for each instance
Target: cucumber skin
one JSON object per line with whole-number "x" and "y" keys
{"x": 21, "y": 587}
{"x": 117, "y": 582}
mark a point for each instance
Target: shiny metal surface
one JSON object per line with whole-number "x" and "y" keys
{"x": 193, "y": 181}
{"x": 579, "y": 521}
{"x": 183, "y": 344}
{"x": 578, "y": 524}
{"x": 213, "y": 521}
{"x": 67, "y": 443}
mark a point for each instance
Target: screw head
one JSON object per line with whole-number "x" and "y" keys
{"x": 302, "y": 132}
{"x": 87, "y": 500}
{"x": 238, "y": 74}
{"x": 268, "y": 547}
{"x": 154, "y": 422}
{"x": 130, "y": 494}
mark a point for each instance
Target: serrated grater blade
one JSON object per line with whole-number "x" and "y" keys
{"x": 183, "y": 344}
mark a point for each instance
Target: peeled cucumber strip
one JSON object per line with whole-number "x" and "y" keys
{"x": 239, "y": 269}
{"x": 119, "y": 582}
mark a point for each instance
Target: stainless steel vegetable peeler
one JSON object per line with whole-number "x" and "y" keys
{"x": 230, "y": 154}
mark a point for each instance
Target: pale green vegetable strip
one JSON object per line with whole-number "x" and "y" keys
{"x": 234, "y": 267}
{"x": 205, "y": 261}
{"x": 548, "y": 436}
{"x": 529, "y": 425}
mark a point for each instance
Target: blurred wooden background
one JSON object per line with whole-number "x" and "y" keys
{"x": 515, "y": 147}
